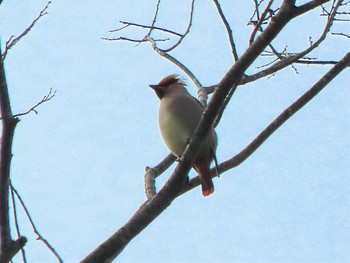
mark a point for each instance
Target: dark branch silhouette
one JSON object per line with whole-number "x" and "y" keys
{"x": 14, "y": 40}
{"x": 113, "y": 246}
{"x": 8, "y": 247}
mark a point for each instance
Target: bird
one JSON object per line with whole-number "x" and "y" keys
{"x": 178, "y": 117}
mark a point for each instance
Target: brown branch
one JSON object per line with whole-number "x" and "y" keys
{"x": 14, "y": 208}
{"x": 290, "y": 59}
{"x": 260, "y": 20}
{"x": 154, "y": 20}
{"x": 127, "y": 24}
{"x": 8, "y": 247}
{"x": 276, "y": 123}
{"x": 39, "y": 236}
{"x": 113, "y": 246}
{"x": 14, "y": 40}
{"x": 46, "y": 98}
{"x": 316, "y": 62}
{"x": 310, "y": 5}
{"x": 186, "y": 32}
{"x": 228, "y": 30}
{"x": 173, "y": 60}
{"x": 202, "y": 92}
{"x": 152, "y": 173}
{"x": 341, "y": 34}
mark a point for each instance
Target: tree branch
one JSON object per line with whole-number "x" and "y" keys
{"x": 228, "y": 30}
{"x": 8, "y": 248}
{"x": 13, "y": 40}
{"x": 14, "y": 208}
{"x": 113, "y": 246}
{"x": 127, "y": 24}
{"x": 46, "y": 98}
{"x": 276, "y": 123}
{"x": 186, "y": 32}
{"x": 260, "y": 20}
{"x": 39, "y": 236}
{"x": 292, "y": 58}
{"x": 152, "y": 173}
{"x": 202, "y": 93}
{"x": 154, "y": 20}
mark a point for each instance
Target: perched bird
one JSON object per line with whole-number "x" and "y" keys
{"x": 179, "y": 115}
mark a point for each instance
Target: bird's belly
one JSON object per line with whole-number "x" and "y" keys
{"x": 175, "y": 135}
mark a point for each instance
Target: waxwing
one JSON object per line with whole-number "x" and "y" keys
{"x": 179, "y": 115}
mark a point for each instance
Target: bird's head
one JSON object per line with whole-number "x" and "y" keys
{"x": 170, "y": 84}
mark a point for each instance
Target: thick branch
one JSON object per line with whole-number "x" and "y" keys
{"x": 292, "y": 58}
{"x": 113, "y": 246}
{"x": 276, "y": 123}
{"x": 8, "y": 128}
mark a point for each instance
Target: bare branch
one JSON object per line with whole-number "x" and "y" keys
{"x": 186, "y": 32}
{"x": 316, "y": 62}
{"x": 152, "y": 173}
{"x": 310, "y": 5}
{"x": 276, "y": 123}
{"x": 176, "y": 62}
{"x": 260, "y": 20}
{"x": 113, "y": 246}
{"x": 228, "y": 30}
{"x": 16, "y": 221}
{"x": 154, "y": 20}
{"x": 289, "y": 58}
{"x": 127, "y": 24}
{"x": 224, "y": 105}
{"x": 13, "y": 40}
{"x": 39, "y": 236}
{"x": 176, "y": 184}
{"x": 341, "y": 34}
{"x": 8, "y": 248}
{"x": 46, "y": 98}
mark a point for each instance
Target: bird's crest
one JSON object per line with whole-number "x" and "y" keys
{"x": 174, "y": 78}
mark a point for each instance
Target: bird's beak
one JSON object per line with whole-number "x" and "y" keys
{"x": 153, "y": 86}
{"x": 157, "y": 90}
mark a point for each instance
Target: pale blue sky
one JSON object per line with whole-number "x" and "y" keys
{"x": 79, "y": 163}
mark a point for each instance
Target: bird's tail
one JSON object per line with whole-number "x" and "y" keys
{"x": 202, "y": 167}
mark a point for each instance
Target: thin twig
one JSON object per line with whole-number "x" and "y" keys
{"x": 127, "y": 24}
{"x": 176, "y": 62}
{"x": 341, "y": 34}
{"x": 228, "y": 30}
{"x": 186, "y": 32}
{"x": 260, "y": 20}
{"x": 39, "y": 236}
{"x": 132, "y": 40}
{"x": 46, "y": 98}
{"x": 108, "y": 250}
{"x": 14, "y": 40}
{"x": 276, "y": 123}
{"x": 290, "y": 58}
{"x": 202, "y": 93}
{"x": 154, "y": 20}
{"x": 16, "y": 220}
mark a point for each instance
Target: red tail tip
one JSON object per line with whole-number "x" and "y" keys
{"x": 208, "y": 192}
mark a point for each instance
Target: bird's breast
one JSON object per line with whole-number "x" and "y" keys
{"x": 177, "y": 122}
